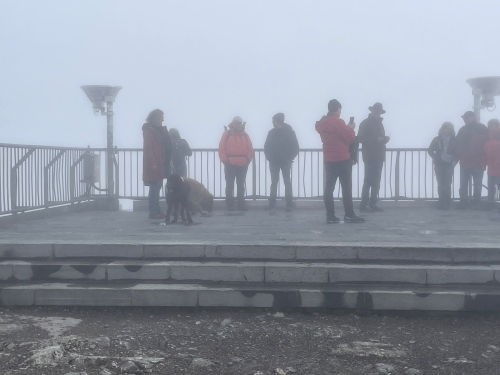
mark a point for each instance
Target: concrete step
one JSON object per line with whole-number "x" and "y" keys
{"x": 302, "y": 252}
{"x": 319, "y": 296}
{"x": 247, "y": 272}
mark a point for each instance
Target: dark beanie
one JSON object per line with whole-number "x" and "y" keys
{"x": 279, "y": 118}
{"x": 334, "y": 105}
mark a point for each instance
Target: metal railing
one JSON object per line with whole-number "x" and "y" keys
{"x": 40, "y": 177}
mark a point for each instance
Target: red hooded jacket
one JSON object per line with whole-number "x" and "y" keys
{"x": 235, "y": 148}
{"x": 336, "y": 137}
{"x": 492, "y": 149}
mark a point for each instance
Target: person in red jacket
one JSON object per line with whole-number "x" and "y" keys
{"x": 236, "y": 153}
{"x": 492, "y": 149}
{"x": 337, "y": 137}
{"x": 156, "y": 159}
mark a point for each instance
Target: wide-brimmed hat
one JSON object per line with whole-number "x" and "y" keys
{"x": 377, "y": 107}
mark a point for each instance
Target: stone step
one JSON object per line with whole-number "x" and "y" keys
{"x": 247, "y": 272}
{"x": 323, "y": 252}
{"x": 349, "y": 297}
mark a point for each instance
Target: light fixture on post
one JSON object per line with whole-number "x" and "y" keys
{"x": 102, "y": 98}
{"x": 484, "y": 90}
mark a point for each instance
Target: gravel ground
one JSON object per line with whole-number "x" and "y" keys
{"x": 106, "y": 341}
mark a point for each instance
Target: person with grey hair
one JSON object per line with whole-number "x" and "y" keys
{"x": 180, "y": 151}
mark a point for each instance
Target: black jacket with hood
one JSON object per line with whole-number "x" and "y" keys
{"x": 281, "y": 144}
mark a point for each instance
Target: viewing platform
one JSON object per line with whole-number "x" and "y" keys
{"x": 409, "y": 257}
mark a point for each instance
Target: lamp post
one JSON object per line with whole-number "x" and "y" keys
{"x": 484, "y": 90}
{"x": 102, "y": 98}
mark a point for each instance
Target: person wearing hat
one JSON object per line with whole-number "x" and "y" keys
{"x": 470, "y": 142}
{"x": 280, "y": 148}
{"x": 337, "y": 138}
{"x": 372, "y": 137}
{"x": 236, "y": 153}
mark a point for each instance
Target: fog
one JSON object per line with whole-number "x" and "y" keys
{"x": 203, "y": 62}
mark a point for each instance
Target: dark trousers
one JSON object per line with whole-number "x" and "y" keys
{"x": 286, "y": 168}
{"x": 233, "y": 172}
{"x": 341, "y": 170}
{"x": 493, "y": 184}
{"x": 373, "y": 174}
{"x": 444, "y": 177}
{"x": 154, "y": 197}
{"x": 477, "y": 177}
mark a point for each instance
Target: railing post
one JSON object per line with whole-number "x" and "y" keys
{"x": 254, "y": 178}
{"x": 13, "y": 179}
{"x": 396, "y": 176}
{"x": 72, "y": 177}
{"x": 46, "y": 178}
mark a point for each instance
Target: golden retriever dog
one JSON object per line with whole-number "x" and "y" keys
{"x": 200, "y": 199}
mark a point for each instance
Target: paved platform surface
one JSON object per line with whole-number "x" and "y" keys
{"x": 400, "y": 224}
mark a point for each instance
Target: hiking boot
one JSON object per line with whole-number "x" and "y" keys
{"x": 376, "y": 209}
{"x": 365, "y": 209}
{"x": 332, "y": 219}
{"x": 271, "y": 207}
{"x": 288, "y": 209}
{"x": 156, "y": 216}
{"x": 353, "y": 219}
{"x": 242, "y": 208}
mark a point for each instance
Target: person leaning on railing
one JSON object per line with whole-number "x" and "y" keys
{"x": 442, "y": 150}
{"x": 280, "y": 148}
{"x": 236, "y": 153}
{"x": 156, "y": 159}
{"x": 337, "y": 137}
{"x": 180, "y": 151}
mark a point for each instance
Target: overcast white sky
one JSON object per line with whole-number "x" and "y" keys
{"x": 203, "y": 62}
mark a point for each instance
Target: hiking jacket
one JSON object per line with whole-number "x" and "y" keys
{"x": 180, "y": 150}
{"x": 492, "y": 150}
{"x": 336, "y": 137}
{"x": 156, "y": 153}
{"x": 369, "y": 131}
{"x": 470, "y": 142}
{"x": 235, "y": 148}
{"x": 436, "y": 149}
{"x": 281, "y": 144}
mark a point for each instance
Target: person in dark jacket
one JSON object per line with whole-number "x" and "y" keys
{"x": 280, "y": 148}
{"x": 180, "y": 151}
{"x": 442, "y": 150}
{"x": 470, "y": 142}
{"x": 337, "y": 138}
{"x": 372, "y": 137}
{"x": 156, "y": 159}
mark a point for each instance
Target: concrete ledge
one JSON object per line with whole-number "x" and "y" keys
{"x": 231, "y": 297}
{"x": 296, "y": 273}
{"x": 64, "y": 296}
{"x": 5, "y": 270}
{"x": 406, "y": 254}
{"x": 442, "y": 301}
{"x": 174, "y": 251}
{"x": 459, "y": 275}
{"x": 155, "y": 271}
{"x": 24, "y": 271}
{"x": 164, "y": 295}
{"x": 98, "y": 251}
{"x": 199, "y": 295}
{"x": 251, "y": 252}
{"x": 326, "y": 252}
{"x": 212, "y": 271}
{"x": 36, "y": 251}
{"x": 346, "y": 273}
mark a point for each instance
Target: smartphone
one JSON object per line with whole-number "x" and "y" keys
{"x": 351, "y": 120}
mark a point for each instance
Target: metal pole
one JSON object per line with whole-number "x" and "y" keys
{"x": 477, "y": 104}
{"x": 110, "y": 169}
